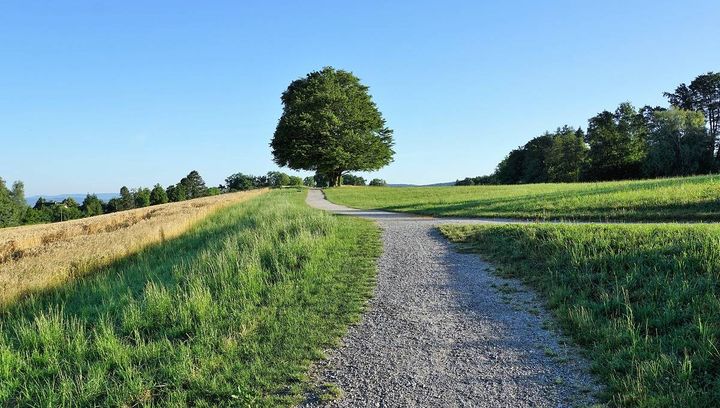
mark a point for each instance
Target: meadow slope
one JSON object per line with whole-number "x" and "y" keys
{"x": 676, "y": 199}
{"x": 230, "y": 313}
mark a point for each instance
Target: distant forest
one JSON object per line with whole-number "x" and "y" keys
{"x": 627, "y": 143}
{"x": 15, "y": 211}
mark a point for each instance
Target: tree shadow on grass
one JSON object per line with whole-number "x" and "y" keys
{"x": 623, "y": 274}
{"x": 517, "y": 207}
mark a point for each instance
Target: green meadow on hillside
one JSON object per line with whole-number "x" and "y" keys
{"x": 674, "y": 199}
{"x": 230, "y": 313}
{"x": 643, "y": 300}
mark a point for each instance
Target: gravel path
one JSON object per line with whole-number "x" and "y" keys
{"x": 441, "y": 330}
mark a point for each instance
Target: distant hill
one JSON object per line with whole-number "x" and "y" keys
{"x": 77, "y": 197}
{"x": 449, "y": 183}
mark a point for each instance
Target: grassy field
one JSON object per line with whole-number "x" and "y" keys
{"x": 37, "y": 257}
{"x": 230, "y": 313}
{"x": 677, "y": 199}
{"x": 643, "y": 300}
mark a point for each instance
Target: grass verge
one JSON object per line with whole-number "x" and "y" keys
{"x": 675, "y": 199}
{"x": 642, "y": 299}
{"x": 230, "y": 313}
{"x": 43, "y": 256}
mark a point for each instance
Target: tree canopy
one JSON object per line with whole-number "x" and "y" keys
{"x": 617, "y": 143}
{"x": 92, "y": 205}
{"x": 567, "y": 155}
{"x": 626, "y": 143}
{"x": 142, "y": 197}
{"x": 12, "y": 204}
{"x": 551, "y": 157}
{"x": 679, "y": 144}
{"x": 331, "y": 125}
{"x": 240, "y": 182}
{"x": 702, "y": 95}
{"x": 194, "y": 185}
{"x": 15, "y": 211}
{"x": 158, "y": 195}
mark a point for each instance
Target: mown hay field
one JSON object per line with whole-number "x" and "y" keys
{"x": 38, "y": 257}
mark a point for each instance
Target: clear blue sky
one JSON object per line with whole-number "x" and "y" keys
{"x": 96, "y": 95}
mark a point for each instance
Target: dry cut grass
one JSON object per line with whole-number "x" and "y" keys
{"x": 38, "y": 257}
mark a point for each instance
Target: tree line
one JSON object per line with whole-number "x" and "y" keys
{"x": 14, "y": 210}
{"x": 240, "y": 181}
{"x": 626, "y": 143}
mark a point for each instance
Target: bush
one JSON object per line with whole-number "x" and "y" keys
{"x": 477, "y": 181}
{"x": 295, "y": 181}
{"x": 353, "y": 180}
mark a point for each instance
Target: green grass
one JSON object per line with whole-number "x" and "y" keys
{"x": 677, "y": 199}
{"x": 231, "y": 313}
{"x": 643, "y": 300}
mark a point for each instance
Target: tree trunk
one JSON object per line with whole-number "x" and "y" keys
{"x": 335, "y": 178}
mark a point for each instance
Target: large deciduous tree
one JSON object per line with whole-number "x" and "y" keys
{"x": 353, "y": 180}
{"x": 142, "y": 197}
{"x": 240, "y": 182}
{"x": 176, "y": 192}
{"x": 702, "y": 95}
{"x": 277, "y": 179}
{"x": 679, "y": 144}
{"x": 525, "y": 164}
{"x": 535, "y": 168}
{"x": 158, "y": 195}
{"x": 91, "y": 205}
{"x": 567, "y": 155}
{"x": 331, "y": 125}
{"x": 617, "y": 143}
{"x": 12, "y": 204}
{"x": 510, "y": 170}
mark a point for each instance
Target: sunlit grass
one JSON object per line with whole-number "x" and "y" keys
{"x": 678, "y": 199}
{"x": 643, "y": 300}
{"x": 39, "y": 257}
{"x": 230, "y": 313}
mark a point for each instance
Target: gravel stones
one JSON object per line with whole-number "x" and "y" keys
{"x": 442, "y": 330}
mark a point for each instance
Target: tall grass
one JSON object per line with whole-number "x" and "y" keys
{"x": 38, "y": 257}
{"x": 229, "y": 314}
{"x": 676, "y": 199}
{"x": 644, "y": 300}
